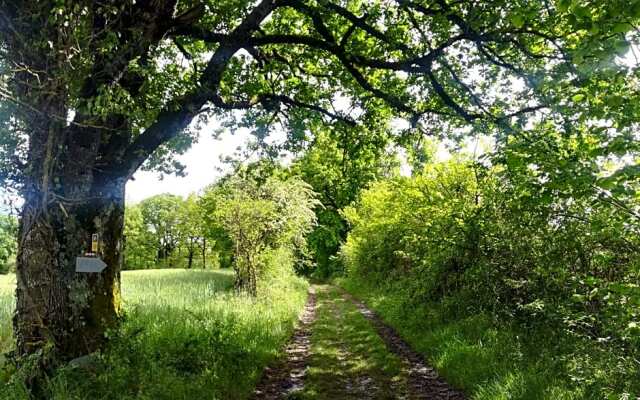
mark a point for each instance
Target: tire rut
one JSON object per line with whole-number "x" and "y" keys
{"x": 287, "y": 377}
{"x": 423, "y": 381}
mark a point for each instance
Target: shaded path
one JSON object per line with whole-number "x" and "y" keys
{"x": 343, "y": 350}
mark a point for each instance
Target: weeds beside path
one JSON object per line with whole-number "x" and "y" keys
{"x": 288, "y": 375}
{"x": 342, "y": 350}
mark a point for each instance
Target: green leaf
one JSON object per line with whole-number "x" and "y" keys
{"x": 621, "y": 27}
{"x": 582, "y": 12}
{"x": 517, "y": 20}
{"x": 622, "y": 46}
{"x": 563, "y": 5}
{"x": 577, "y": 98}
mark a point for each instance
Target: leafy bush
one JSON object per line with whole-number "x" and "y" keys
{"x": 469, "y": 240}
{"x": 263, "y": 217}
{"x": 8, "y": 242}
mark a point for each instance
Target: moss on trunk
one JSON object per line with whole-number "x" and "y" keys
{"x": 57, "y": 308}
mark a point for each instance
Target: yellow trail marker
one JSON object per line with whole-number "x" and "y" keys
{"x": 94, "y": 243}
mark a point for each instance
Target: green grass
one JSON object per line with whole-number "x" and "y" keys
{"x": 7, "y": 290}
{"x": 492, "y": 361}
{"x": 186, "y": 336}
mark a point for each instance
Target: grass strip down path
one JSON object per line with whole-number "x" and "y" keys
{"x": 353, "y": 355}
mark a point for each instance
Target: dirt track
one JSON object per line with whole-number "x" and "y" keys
{"x": 287, "y": 379}
{"x": 288, "y": 375}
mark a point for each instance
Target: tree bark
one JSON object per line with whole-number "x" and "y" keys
{"x": 61, "y": 312}
{"x": 55, "y": 305}
{"x": 246, "y": 275}
{"x": 191, "y": 250}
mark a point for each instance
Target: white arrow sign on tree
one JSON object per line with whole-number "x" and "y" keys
{"x": 90, "y": 265}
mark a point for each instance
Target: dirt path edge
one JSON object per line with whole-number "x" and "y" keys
{"x": 424, "y": 382}
{"x": 287, "y": 374}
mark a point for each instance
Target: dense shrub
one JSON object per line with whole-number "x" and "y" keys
{"x": 473, "y": 240}
{"x": 264, "y": 218}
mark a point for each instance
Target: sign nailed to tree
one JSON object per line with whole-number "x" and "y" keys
{"x": 94, "y": 242}
{"x": 90, "y": 265}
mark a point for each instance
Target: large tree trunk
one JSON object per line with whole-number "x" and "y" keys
{"x": 56, "y": 305}
{"x": 68, "y": 198}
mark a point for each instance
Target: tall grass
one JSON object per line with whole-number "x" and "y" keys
{"x": 493, "y": 361}
{"x": 186, "y": 335}
{"x": 7, "y": 304}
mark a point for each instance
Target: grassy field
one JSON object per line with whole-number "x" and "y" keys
{"x": 7, "y": 288}
{"x": 186, "y": 336}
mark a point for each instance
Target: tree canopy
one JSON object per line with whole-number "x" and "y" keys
{"x": 138, "y": 73}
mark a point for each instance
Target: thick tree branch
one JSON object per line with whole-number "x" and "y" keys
{"x": 270, "y": 101}
{"x": 175, "y": 118}
{"x": 522, "y": 111}
{"x": 448, "y": 100}
{"x": 417, "y": 64}
{"x": 249, "y": 36}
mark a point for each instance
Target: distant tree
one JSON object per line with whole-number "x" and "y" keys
{"x": 161, "y": 214}
{"x": 213, "y": 229}
{"x": 338, "y": 166}
{"x": 192, "y": 230}
{"x": 162, "y": 229}
{"x": 140, "y": 243}
{"x": 8, "y": 242}
{"x": 261, "y": 216}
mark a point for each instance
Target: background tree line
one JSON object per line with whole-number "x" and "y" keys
{"x": 8, "y": 242}
{"x": 167, "y": 231}
{"x": 251, "y": 220}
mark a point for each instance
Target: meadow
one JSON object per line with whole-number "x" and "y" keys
{"x": 7, "y": 288}
{"x": 186, "y": 335}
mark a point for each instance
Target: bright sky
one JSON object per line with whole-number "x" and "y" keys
{"x": 202, "y": 161}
